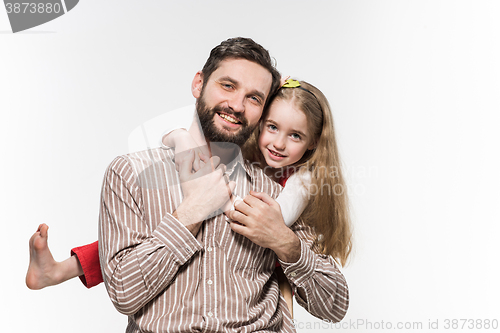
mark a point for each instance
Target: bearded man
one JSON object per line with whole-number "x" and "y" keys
{"x": 171, "y": 260}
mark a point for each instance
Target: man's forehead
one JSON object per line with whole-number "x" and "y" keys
{"x": 247, "y": 73}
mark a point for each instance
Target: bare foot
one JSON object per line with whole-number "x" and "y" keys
{"x": 42, "y": 270}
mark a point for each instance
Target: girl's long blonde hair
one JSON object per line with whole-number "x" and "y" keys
{"x": 328, "y": 208}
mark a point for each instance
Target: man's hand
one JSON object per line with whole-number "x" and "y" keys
{"x": 258, "y": 217}
{"x": 205, "y": 191}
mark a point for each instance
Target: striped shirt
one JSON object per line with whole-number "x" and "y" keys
{"x": 167, "y": 280}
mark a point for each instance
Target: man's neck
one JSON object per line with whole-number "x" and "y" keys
{"x": 227, "y": 152}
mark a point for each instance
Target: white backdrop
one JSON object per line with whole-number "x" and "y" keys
{"x": 414, "y": 87}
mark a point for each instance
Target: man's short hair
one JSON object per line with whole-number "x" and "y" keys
{"x": 242, "y": 48}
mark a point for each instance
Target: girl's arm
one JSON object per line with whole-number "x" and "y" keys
{"x": 294, "y": 197}
{"x": 149, "y": 134}
{"x": 183, "y": 142}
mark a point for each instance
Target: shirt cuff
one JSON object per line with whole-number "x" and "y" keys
{"x": 300, "y": 271}
{"x": 177, "y": 238}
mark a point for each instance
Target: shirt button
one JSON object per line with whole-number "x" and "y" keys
{"x": 209, "y": 249}
{"x": 293, "y": 274}
{"x": 188, "y": 249}
{"x": 210, "y": 314}
{"x": 209, "y": 282}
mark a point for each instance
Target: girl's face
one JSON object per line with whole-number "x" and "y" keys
{"x": 284, "y": 137}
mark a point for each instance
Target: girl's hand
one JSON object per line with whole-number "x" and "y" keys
{"x": 182, "y": 141}
{"x": 258, "y": 217}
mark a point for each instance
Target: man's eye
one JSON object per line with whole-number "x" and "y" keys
{"x": 256, "y": 99}
{"x": 227, "y": 86}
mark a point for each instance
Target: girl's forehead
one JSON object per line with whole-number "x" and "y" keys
{"x": 284, "y": 110}
{"x": 285, "y": 113}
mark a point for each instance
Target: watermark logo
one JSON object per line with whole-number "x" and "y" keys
{"x": 27, "y": 14}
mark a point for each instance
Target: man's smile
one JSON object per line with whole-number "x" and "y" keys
{"x": 229, "y": 119}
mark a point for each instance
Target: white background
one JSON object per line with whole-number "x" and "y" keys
{"x": 414, "y": 87}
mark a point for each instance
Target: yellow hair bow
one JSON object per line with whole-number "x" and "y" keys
{"x": 291, "y": 84}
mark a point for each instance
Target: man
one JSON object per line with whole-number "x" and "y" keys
{"x": 173, "y": 265}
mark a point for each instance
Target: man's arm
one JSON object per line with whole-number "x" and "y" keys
{"x": 137, "y": 263}
{"x": 319, "y": 285}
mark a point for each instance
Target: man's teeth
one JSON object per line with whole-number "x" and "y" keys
{"x": 228, "y": 118}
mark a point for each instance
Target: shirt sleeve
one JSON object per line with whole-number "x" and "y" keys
{"x": 294, "y": 197}
{"x": 88, "y": 256}
{"x": 325, "y": 287}
{"x": 131, "y": 253}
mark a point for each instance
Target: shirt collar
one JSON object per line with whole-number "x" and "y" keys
{"x": 237, "y": 161}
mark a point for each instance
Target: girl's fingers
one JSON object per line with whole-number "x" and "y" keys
{"x": 234, "y": 215}
{"x": 264, "y": 197}
{"x": 197, "y": 160}
{"x": 243, "y": 208}
{"x": 186, "y": 166}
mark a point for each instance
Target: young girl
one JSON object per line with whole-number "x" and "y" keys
{"x": 295, "y": 145}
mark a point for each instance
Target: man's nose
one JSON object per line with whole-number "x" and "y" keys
{"x": 237, "y": 103}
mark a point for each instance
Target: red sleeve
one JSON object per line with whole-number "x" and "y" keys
{"x": 88, "y": 255}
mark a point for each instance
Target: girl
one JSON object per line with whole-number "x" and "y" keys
{"x": 295, "y": 145}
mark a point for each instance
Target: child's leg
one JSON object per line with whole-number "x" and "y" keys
{"x": 43, "y": 270}
{"x": 285, "y": 288}
{"x": 88, "y": 257}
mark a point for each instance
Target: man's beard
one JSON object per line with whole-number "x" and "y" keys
{"x": 212, "y": 133}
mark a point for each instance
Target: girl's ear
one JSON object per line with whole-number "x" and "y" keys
{"x": 197, "y": 84}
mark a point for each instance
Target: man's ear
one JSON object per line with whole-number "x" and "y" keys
{"x": 197, "y": 84}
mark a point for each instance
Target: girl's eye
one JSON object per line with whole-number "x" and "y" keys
{"x": 272, "y": 127}
{"x": 295, "y": 136}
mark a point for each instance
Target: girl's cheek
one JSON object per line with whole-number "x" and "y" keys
{"x": 262, "y": 141}
{"x": 263, "y": 138}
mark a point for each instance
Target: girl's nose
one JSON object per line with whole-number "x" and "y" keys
{"x": 279, "y": 143}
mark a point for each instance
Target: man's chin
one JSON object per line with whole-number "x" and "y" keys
{"x": 224, "y": 145}
{"x": 230, "y": 139}
{"x": 229, "y": 135}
